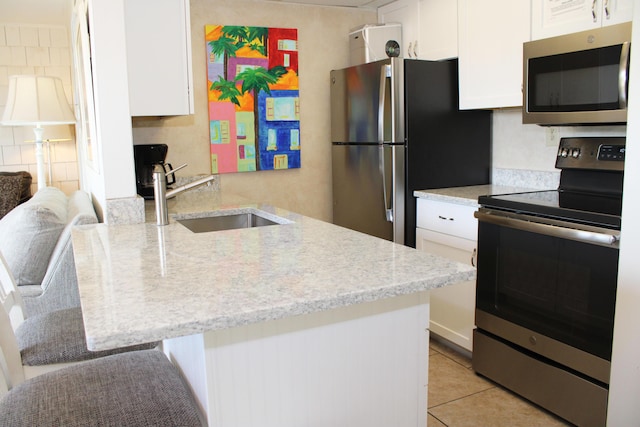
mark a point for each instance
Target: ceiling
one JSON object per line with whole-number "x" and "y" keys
{"x": 57, "y": 12}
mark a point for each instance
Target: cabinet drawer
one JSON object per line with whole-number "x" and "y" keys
{"x": 449, "y": 218}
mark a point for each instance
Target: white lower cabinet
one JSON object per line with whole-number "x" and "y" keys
{"x": 450, "y": 230}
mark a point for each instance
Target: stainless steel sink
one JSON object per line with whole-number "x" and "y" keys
{"x": 225, "y": 222}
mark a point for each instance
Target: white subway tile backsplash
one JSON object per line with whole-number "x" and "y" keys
{"x": 40, "y": 50}
{"x": 12, "y": 33}
{"x": 6, "y": 135}
{"x": 4, "y": 85}
{"x": 18, "y": 56}
{"x": 63, "y": 73}
{"x": 11, "y": 154}
{"x": 5, "y": 55}
{"x": 59, "y": 57}
{"x": 64, "y": 152}
{"x": 11, "y": 70}
{"x": 64, "y": 132}
{"x": 24, "y": 134}
{"x": 72, "y": 171}
{"x": 29, "y": 36}
{"x": 27, "y": 70}
{"x": 37, "y": 56}
{"x": 59, "y": 37}
{"x": 28, "y": 152}
{"x": 44, "y": 37}
{"x": 59, "y": 171}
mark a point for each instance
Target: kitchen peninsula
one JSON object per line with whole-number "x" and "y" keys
{"x": 303, "y": 323}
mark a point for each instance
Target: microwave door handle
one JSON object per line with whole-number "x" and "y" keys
{"x": 381, "y": 101}
{"x": 623, "y": 75}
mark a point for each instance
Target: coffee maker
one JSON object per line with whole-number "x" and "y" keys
{"x": 146, "y": 157}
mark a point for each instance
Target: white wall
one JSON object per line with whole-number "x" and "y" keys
{"x": 624, "y": 391}
{"x": 41, "y": 50}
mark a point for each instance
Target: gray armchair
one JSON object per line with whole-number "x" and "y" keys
{"x": 35, "y": 238}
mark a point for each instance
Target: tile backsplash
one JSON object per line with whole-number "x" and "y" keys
{"x": 524, "y": 147}
{"x": 40, "y": 50}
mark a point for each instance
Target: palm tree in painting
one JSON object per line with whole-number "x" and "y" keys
{"x": 255, "y": 80}
{"x": 228, "y": 90}
{"x": 225, "y": 46}
{"x": 255, "y": 38}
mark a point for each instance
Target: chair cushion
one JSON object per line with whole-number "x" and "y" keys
{"x": 58, "y": 337}
{"x": 29, "y": 233}
{"x": 139, "y": 388}
{"x": 10, "y": 189}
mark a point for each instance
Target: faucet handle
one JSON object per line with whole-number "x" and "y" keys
{"x": 174, "y": 170}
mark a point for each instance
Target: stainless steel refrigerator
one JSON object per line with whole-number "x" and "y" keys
{"x": 396, "y": 128}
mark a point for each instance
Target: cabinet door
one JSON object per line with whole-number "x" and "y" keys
{"x": 438, "y": 38}
{"x": 452, "y": 312}
{"x": 550, "y": 18}
{"x": 490, "y": 38}
{"x": 159, "y": 57}
{"x": 407, "y": 13}
{"x": 617, "y": 11}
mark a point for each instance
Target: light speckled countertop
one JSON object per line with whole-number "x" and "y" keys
{"x": 467, "y": 195}
{"x": 142, "y": 282}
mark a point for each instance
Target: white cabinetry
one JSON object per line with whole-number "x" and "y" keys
{"x": 438, "y": 37}
{"x": 158, "y": 36}
{"x": 405, "y": 12}
{"x": 490, "y": 38}
{"x": 551, "y": 18}
{"x": 429, "y": 27}
{"x": 450, "y": 230}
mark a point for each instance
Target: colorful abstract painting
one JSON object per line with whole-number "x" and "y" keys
{"x": 254, "y": 103}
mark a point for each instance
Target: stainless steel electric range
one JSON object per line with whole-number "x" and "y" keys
{"x": 546, "y": 283}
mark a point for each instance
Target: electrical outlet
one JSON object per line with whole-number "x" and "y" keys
{"x": 552, "y": 137}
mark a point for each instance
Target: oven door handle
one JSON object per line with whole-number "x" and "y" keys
{"x": 585, "y": 236}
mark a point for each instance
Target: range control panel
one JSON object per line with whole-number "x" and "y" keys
{"x": 596, "y": 153}
{"x": 614, "y": 153}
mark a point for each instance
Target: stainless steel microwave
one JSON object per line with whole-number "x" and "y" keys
{"x": 579, "y": 78}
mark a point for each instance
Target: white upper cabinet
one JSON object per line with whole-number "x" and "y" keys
{"x": 490, "y": 38}
{"x": 551, "y": 18}
{"x": 438, "y": 29}
{"x": 158, "y": 36}
{"x": 405, "y": 12}
{"x": 429, "y": 27}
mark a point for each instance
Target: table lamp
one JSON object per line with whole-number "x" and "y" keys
{"x": 37, "y": 101}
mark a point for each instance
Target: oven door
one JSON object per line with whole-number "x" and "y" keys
{"x": 548, "y": 277}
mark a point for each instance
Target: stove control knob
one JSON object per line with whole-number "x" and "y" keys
{"x": 564, "y": 152}
{"x": 575, "y": 153}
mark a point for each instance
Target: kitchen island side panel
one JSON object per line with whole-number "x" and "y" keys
{"x": 365, "y": 364}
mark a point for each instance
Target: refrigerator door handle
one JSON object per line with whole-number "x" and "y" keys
{"x": 381, "y": 101}
{"x": 387, "y": 209}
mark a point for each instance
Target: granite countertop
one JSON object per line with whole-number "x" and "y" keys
{"x": 142, "y": 282}
{"x": 467, "y": 195}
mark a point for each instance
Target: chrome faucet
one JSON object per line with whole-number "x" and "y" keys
{"x": 160, "y": 193}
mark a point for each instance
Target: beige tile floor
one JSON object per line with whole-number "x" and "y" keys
{"x": 460, "y": 398}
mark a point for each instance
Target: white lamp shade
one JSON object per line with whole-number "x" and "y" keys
{"x": 36, "y": 100}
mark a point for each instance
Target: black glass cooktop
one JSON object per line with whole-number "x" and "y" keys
{"x": 588, "y": 208}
